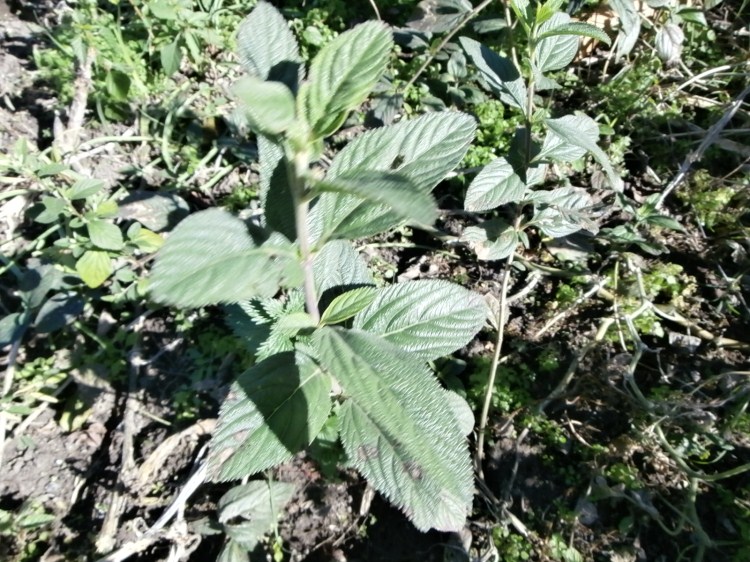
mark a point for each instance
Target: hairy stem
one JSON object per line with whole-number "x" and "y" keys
{"x": 301, "y": 208}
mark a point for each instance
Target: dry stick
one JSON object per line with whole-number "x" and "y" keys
{"x": 434, "y": 52}
{"x": 10, "y": 371}
{"x": 708, "y": 140}
{"x": 68, "y": 139}
{"x": 106, "y": 539}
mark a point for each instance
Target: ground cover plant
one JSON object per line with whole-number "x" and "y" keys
{"x": 394, "y": 281}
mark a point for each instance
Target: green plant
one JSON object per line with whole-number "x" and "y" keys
{"x": 307, "y": 301}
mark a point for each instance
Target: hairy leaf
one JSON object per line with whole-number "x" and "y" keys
{"x": 273, "y": 410}
{"x": 398, "y": 428}
{"x": 210, "y": 258}
{"x": 491, "y": 240}
{"x": 423, "y": 150}
{"x": 578, "y": 130}
{"x": 428, "y": 318}
{"x": 347, "y": 305}
{"x": 343, "y": 74}
{"x": 555, "y": 51}
{"x": 497, "y": 184}
{"x": 389, "y": 193}
{"x": 561, "y": 212}
{"x": 499, "y": 73}
{"x": 264, "y": 41}
{"x": 269, "y": 106}
{"x": 578, "y": 28}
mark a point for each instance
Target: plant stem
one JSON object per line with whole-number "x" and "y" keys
{"x": 301, "y": 207}
{"x": 433, "y": 52}
{"x": 501, "y": 321}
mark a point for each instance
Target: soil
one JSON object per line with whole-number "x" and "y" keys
{"x": 75, "y": 469}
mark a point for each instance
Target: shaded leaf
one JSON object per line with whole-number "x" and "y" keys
{"x": 59, "y": 311}
{"x": 273, "y": 410}
{"x": 170, "y": 56}
{"x": 210, "y": 258}
{"x": 407, "y": 442}
{"x": 269, "y": 106}
{"x": 155, "y": 211}
{"x": 11, "y": 328}
{"x": 499, "y": 73}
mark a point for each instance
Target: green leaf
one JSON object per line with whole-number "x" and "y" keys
{"x": 578, "y": 130}
{"x": 210, "y": 258}
{"x": 555, "y": 51}
{"x": 11, "y": 328}
{"x": 105, "y": 235}
{"x": 499, "y": 73}
{"x": 347, "y": 305}
{"x": 146, "y": 240}
{"x": 269, "y": 106}
{"x": 491, "y": 240}
{"x": 338, "y": 268}
{"x": 52, "y": 208}
{"x": 260, "y": 501}
{"x": 94, "y": 267}
{"x": 561, "y": 212}
{"x": 155, "y": 211}
{"x": 497, "y": 184}
{"x": 83, "y": 188}
{"x": 547, "y": 10}
{"x": 264, "y": 41}
{"x": 164, "y": 9}
{"x": 428, "y": 318}
{"x": 423, "y": 150}
{"x": 118, "y": 85}
{"x": 580, "y": 29}
{"x": 398, "y": 428}
{"x": 630, "y": 25}
{"x": 275, "y": 189}
{"x": 382, "y": 189}
{"x": 343, "y": 74}
{"x": 273, "y": 410}
{"x": 233, "y": 551}
{"x": 171, "y": 57}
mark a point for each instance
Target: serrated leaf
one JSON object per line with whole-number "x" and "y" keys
{"x": 210, "y": 258}
{"x": 491, "y": 240}
{"x": 156, "y": 211}
{"x": 338, "y": 268}
{"x": 273, "y": 410}
{"x": 555, "y": 52}
{"x": 462, "y": 412}
{"x": 347, "y": 305}
{"x": 578, "y": 130}
{"x": 423, "y": 150}
{"x": 578, "y": 28}
{"x": 264, "y": 41}
{"x": 398, "y": 428}
{"x": 427, "y": 318}
{"x": 94, "y": 267}
{"x": 85, "y": 187}
{"x": 269, "y": 106}
{"x": 343, "y": 74}
{"x": 393, "y": 191}
{"x": 497, "y": 184}
{"x": 499, "y": 73}
{"x": 558, "y": 149}
{"x": 561, "y": 212}
{"x": 105, "y": 235}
